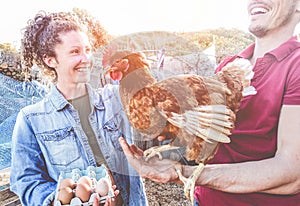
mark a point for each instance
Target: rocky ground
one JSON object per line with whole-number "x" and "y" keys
{"x": 170, "y": 194}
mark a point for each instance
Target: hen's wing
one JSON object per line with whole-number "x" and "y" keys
{"x": 195, "y": 112}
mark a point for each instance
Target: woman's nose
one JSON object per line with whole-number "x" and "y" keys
{"x": 86, "y": 57}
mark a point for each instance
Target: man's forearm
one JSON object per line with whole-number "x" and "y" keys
{"x": 268, "y": 176}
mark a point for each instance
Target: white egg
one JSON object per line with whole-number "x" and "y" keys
{"x": 103, "y": 186}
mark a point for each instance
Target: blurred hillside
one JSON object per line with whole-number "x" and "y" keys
{"x": 179, "y": 53}
{"x": 225, "y": 42}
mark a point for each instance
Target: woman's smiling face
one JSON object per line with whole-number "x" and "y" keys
{"x": 74, "y": 60}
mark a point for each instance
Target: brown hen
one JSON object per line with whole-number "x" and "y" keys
{"x": 192, "y": 111}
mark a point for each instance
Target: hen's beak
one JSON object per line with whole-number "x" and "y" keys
{"x": 110, "y": 69}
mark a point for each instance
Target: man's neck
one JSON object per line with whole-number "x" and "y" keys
{"x": 271, "y": 41}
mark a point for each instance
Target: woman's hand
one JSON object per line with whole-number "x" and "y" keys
{"x": 109, "y": 201}
{"x": 158, "y": 170}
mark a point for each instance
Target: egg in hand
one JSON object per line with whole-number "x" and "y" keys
{"x": 65, "y": 191}
{"x": 67, "y": 182}
{"x": 65, "y": 195}
{"x": 84, "y": 188}
{"x": 103, "y": 186}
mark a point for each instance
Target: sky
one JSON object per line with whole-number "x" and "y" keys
{"x": 120, "y": 17}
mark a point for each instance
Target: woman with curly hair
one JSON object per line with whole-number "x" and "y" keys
{"x": 74, "y": 126}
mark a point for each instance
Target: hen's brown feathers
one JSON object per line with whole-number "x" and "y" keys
{"x": 149, "y": 104}
{"x": 190, "y": 110}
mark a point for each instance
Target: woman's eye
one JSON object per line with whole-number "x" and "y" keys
{"x": 75, "y": 51}
{"x": 88, "y": 50}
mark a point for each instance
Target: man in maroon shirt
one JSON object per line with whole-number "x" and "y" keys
{"x": 261, "y": 165}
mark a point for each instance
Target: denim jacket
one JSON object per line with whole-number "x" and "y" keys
{"x": 48, "y": 139}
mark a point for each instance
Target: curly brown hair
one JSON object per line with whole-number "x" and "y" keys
{"x": 41, "y": 35}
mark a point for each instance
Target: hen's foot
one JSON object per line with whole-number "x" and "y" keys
{"x": 189, "y": 183}
{"x": 156, "y": 150}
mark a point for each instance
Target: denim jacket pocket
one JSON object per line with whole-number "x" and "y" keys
{"x": 61, "y": 146}
{"x": 112, "y": 131}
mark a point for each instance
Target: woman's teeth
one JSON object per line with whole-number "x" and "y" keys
{"x": 83, "y": 69}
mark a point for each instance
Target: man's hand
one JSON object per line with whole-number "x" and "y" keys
{"x": 158, "y": 170}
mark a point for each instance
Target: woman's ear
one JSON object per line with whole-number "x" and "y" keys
{"x": 50, "y": 61}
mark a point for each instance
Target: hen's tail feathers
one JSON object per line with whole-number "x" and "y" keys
{"x": 206, "y": 122}
{"x": 245, "y": 66}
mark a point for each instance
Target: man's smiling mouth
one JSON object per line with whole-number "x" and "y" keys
{"x": 258, "y": 10}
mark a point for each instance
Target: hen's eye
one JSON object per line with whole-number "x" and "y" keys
{"x": 118, "y": 61}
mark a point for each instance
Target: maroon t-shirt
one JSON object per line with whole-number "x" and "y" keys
{"x": 277, "y": 81}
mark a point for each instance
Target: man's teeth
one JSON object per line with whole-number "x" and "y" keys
{"x": 258, "y": 11}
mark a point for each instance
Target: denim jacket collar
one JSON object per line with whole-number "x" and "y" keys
{"x": 59, "y": 101}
